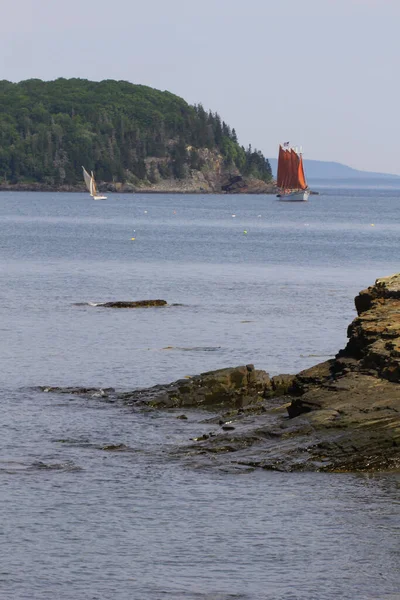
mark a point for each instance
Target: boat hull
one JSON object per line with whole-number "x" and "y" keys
{"x": 99, "y": 197}
{"x": 297, "y": 196}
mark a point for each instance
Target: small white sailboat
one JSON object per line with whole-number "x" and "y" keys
{"x": 291, "y": 180}
{"x": 91, "y": 185}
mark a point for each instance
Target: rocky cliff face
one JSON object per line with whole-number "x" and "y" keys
{"x": 340, "y": 415}
{"x": 374, "y": 337}
{"x": 213, "y": 178}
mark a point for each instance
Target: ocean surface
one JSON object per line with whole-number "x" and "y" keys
{"x": 248, "y": 280}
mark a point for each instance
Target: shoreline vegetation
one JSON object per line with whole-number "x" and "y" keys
{"x": 341, "y": 415}
{"x": 133, "y": 137}
{"x": 246, "y": 186}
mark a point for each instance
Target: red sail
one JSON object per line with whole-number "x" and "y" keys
{"x": 290, "y": 174}
{"x": 294, "y": 169}
{"x": 282, "y": 168}
{"x": 301, "y": 177}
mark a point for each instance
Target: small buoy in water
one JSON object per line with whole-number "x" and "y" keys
{"x": 145, "y": 212}
{"x": 245, "y": 231}
{"x": 174, "y": 212}
{"x": 133, "y": 238}
{"x": 233, "y": 215}
{"x": 372, "y": 225}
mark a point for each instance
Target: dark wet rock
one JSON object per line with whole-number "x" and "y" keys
{"x": 237, "y": 184}
{"x": 116, "y": 448}
{"x": 80, "y": 443}
{"x": 132, "y": 304}
{"x": 67, "y": 466}
{"x": 85, "y": 443}
{"x": 233, "y": 184}
{"x": 182, "y": 417}
{"x": 299, "y": 406}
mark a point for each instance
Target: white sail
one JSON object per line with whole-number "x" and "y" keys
{"x": 88, "y": 181}
{"x": 94, "y": 189}
{"x": 91, "y": 185}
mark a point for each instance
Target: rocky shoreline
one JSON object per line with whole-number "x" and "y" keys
{"x": 233, "y": 185}
{"x": 340, "y": 415}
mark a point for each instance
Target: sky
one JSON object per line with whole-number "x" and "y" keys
{"x": 322, "y": 74}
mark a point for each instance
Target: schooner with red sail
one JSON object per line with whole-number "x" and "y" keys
{"x": 291, "y": 180}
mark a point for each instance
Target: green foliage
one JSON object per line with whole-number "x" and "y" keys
{"x": 256, "y": 165}
{"x": 48, "y": 130}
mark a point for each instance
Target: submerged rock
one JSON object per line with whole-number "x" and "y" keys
{"x": 116, "y": 448}
{"x": 78, "y": 391}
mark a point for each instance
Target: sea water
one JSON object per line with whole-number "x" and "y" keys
{"x": 247, "y": 280}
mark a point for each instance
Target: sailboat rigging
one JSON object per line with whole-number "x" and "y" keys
{"x": 291, "y": 180}
{"x": 91, "y": 185}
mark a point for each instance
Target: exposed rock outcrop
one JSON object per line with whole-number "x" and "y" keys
{"x": 340, "y": 415}
{"x": 237, "y": 184}
{"x": 344, "y": 414}
{"x": 374, "y": 336}
{"x": 213, "y": 178}
{"x": 235, "y": 387}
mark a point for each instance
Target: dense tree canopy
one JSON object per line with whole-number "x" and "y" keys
{"x": 48, "y": 130}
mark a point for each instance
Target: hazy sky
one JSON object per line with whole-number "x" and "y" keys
{"x": 324, "y": 74}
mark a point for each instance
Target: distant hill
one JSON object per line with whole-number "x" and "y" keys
{"x": 319, "y": 169}
{"x": 128, "y": 134}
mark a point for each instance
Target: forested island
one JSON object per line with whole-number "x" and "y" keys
{"x": 135, "y": 138}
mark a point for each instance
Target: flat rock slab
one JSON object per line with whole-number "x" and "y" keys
{"x": 132, "y": 304}
{"x": 352, "y": 424}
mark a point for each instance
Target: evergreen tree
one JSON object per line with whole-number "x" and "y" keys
{"x": 48, "y": 130}
{"x": 153, "y": 173}
{"x": 179, "y": 158}
{"x": 195, "y": 161}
